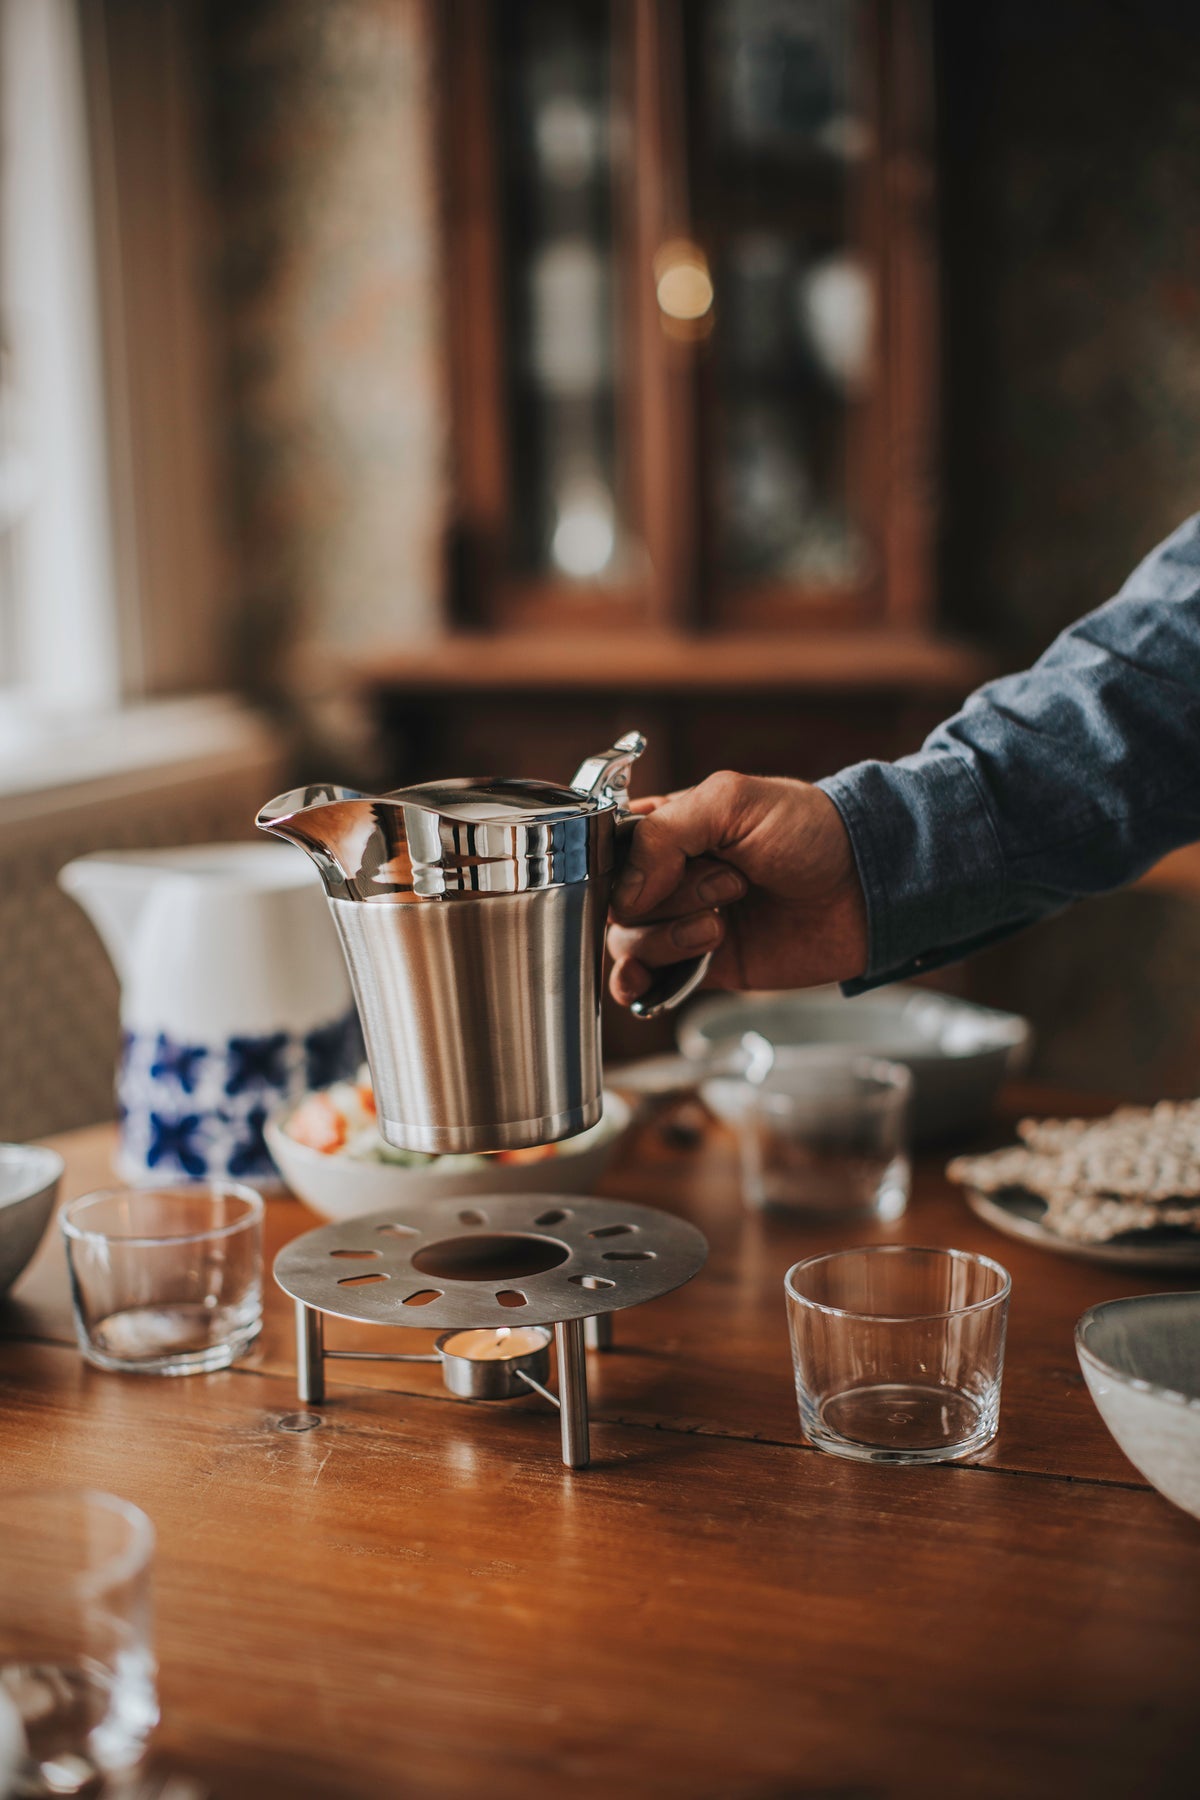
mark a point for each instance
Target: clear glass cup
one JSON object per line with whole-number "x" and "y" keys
{"x": 166, "y": 1281}
{"x": 825, "y": 1133}
{"x": 76, "y": 1635}
{"x": 898, "y": 1351}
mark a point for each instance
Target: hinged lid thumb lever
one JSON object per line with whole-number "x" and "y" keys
{"x": 606, "y": 777}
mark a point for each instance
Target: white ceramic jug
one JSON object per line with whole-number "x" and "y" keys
{"x": 234, "y": 998}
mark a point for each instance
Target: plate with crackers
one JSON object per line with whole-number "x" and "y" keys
{"x": 1122, "y": 1190}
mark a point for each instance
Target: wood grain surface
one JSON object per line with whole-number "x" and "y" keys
{"x": 414, "y": 1598}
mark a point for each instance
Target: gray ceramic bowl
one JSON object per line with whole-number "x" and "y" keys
{"x": 29, "y": 1178}
{"x": 959, "y": 1053}
{"x": 1141, "y": 1360}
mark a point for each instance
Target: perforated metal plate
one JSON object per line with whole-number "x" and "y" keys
{"x": 408, "y": 1266}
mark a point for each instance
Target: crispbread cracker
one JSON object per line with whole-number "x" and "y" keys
{"x": 1086, "y": 1219}
{"x": 1136, "y": 1170}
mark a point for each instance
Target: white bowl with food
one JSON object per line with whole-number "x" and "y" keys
{"x": 1141, "y": 1360}
{"x": 29, "y": 1178}
{"x": 328, "y": 1149}
{"x": 959, "y": 1053}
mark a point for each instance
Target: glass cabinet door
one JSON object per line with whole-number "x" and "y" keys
{"x": 780, "y": 139}
{"x": 558, "y": 140}
{"x": 694, "y": 387}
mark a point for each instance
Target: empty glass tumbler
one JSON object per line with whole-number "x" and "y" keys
{"x": 898, "y": 1351}
{"x": 824, "y": 1133}
{"x": 166, "y": 1281}
{"x": 76, "y": 1642}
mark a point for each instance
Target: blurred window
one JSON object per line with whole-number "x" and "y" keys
{"x": 59, "y": 644}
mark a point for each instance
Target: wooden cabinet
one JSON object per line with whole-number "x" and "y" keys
{"x": 691, "y": 311}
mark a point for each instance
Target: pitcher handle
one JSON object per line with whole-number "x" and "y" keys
{"x": 672, "y": 985}
{"x": 606, "y": 777}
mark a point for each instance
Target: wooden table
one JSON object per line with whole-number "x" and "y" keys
{"x": 415, "y": 1598}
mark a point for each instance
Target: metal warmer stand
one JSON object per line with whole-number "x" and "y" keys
{"x": 497, "y": 1263}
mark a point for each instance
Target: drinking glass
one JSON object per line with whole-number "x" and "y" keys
{"x": 166, "y": 1281}
{"x": 824, "y": 1133}
{"x": 76, "y": 1645}
{"x": 898, "y": 1351}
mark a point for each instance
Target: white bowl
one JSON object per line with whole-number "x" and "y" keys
{"x": 29, "y": 1178}
{"x": 959, "y": 1053}
{"x": 342, "y": 1187}
{"x": 1141, "y": 1360}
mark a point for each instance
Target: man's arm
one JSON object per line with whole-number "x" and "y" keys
{"x": 1063, "y": 781}
{"x": 1067, "y": 780}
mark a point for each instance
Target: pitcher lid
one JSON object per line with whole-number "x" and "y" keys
{"x": 441, "y": 839}
{"x": 503, "y": 800}
{"x": 469, "y": 835}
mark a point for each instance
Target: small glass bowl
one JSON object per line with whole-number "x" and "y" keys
{"x": 166, "y": 1280}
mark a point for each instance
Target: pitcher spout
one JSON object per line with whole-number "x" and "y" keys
{"x": 358, "y": 841}
{"x": 113, "y": 891}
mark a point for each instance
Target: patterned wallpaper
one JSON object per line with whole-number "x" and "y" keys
{"x": 1070, "y": 176}
{"x": 1070, "y": 173}
{"x": 321, "y": 148}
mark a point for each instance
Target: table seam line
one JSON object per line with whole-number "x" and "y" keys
{"x": 599, "y": 1418}
{"x": 732, "y": 1437}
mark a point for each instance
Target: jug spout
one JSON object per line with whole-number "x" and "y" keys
{"x": 113, "y": 893}
{"x": 356, "y": 840}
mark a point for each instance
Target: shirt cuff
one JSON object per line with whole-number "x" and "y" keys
{"x": 932, "y": 871}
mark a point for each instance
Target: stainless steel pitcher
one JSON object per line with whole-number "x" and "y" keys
{"x": 472, "y": 918}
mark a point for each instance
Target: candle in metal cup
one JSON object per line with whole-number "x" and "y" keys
{"x": 499, "y": 1345}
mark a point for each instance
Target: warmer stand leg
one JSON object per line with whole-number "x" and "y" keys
{"x": 310, "y": 1354}
{"x": 572, "y": 1392}
{"x": 598, "y": 1331}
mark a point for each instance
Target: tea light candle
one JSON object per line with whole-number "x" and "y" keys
{"x": 498, "y": 1345}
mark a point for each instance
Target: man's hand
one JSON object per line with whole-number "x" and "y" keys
{"x": 773, "y": 855}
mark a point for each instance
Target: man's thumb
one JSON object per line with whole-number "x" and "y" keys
{"x": 686, "y": 825}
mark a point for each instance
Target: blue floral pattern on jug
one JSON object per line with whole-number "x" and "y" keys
{"x": 188, "y": 1111}
{"x": 257, "y": 1063}
{"x": 172, "y": 1142}
{"x": 180, "y": 1060}
{"x": 333, "y": 1051}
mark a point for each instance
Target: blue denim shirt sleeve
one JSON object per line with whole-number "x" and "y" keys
{"x": 1066, "y": 780}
